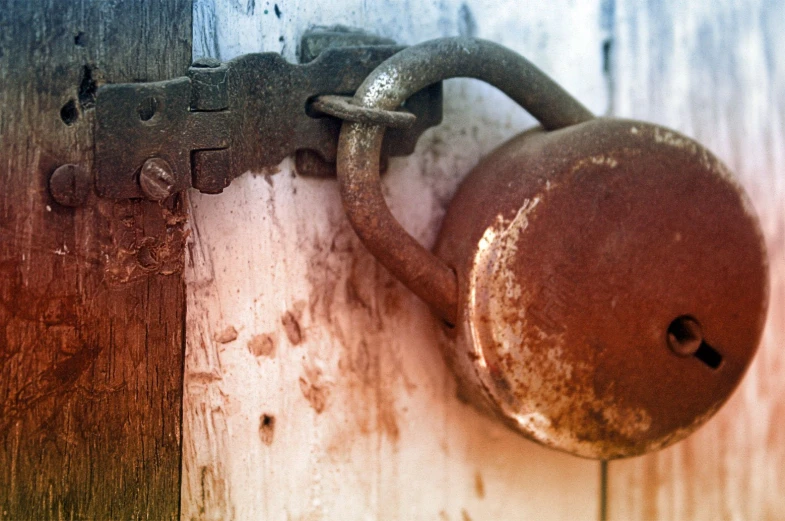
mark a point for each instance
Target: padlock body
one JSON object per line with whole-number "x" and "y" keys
{"x": 576, "y": 252}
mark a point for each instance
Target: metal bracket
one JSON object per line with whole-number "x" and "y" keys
{"x": 224, "y": 119}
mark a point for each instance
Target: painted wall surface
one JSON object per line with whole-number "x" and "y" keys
{"x": 314, "y": 384}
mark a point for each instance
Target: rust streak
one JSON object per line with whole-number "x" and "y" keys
{"x": 291, "y": 327}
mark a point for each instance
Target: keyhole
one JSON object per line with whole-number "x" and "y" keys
{"x": 685, "y": 338}
{"x": 708, "y": 355}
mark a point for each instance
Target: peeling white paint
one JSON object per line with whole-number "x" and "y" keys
{"x": 533, "y": 363}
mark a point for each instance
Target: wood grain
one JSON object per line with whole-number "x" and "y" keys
{"x": 314, "y": 384}
{"x": 91, "y": 337}
{"x": 715, "y": 71}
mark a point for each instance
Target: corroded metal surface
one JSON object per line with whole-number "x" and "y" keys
{"x": 607, "y": 280}
{"x": 343, "y": 107}
{"x": 358, "y": 149}
{"x": 609, "y": 246}
{"x": 225, "y": 119}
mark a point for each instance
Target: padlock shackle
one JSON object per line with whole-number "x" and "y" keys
{"x": 387, "y": 87}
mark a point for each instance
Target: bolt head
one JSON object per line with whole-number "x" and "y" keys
{"x": 70, "y": 185}
{"x": 157, "y": 179}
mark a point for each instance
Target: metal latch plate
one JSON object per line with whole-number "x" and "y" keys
{"x": 225, "y": 119}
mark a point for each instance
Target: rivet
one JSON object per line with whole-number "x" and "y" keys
{"x": 69, "y": 185}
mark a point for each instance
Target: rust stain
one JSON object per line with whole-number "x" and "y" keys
{"x": 212, "y": 490}
{"x": 479, "y": 485}
{"x": 267, "y": 428}
{"x": 263, "y": 345}
{"x": 314, "y": 388}
{"x": 267, "y": 173}
{"x": 228, "y": 334}
{"x": 291, "y": 326}
{"x": 358, "y": 302}
{"x": 386, "y": 418}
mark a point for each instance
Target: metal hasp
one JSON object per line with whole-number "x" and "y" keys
{"x": 224, "y": 119}
{"x": 605, "y": 281}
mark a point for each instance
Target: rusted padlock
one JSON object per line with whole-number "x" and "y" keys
{"x": 604, "y": 281}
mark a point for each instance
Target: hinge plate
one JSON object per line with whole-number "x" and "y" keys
{"x": 225, "y": 119}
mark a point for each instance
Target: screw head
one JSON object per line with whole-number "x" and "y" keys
{"x": 157, "y": 179}
{"x": 69, "y": 185}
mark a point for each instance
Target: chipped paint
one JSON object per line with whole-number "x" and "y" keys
{"x": 522, "y": 366}
{"x": 226, "y": 335}
{"x": 604, "y": 160}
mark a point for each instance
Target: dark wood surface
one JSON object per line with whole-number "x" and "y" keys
{"x": 91, "y": 299}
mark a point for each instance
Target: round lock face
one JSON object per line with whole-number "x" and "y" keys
{"x": 616, "y": 305}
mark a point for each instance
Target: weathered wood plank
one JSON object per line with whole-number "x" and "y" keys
{"x": 715, "y": 71}
{"x": 91, "y": 299}
{"x": 314, "y": 384}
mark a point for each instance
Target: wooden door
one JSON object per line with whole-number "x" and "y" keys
{"x": 314, "y": 388}
{"x": 91, "y": 298}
